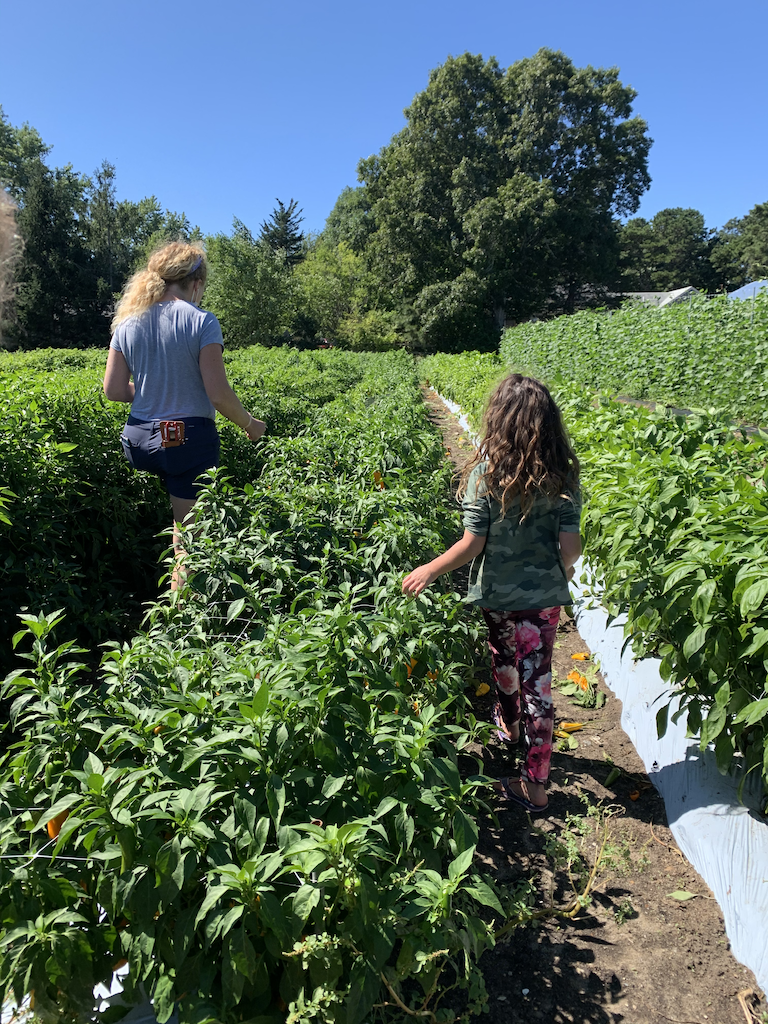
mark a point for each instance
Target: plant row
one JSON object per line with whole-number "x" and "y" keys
{"x": 675, "y": 530}
{"x": 700, "y": 354}
{"x": 258, "y": 803}
{"x": 79, "y": 529}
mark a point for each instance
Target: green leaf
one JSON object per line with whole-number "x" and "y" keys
{"x": 702, "y": 600}
{"x": 386, "y": 806}
{"x": 332, "y": 785}
{"x": 753, "y": 712}
{"x": 682, "y": 895}
{"x": 235, "y": 608}
{"x": 695, "y": 641}
{"x": 713, "y": 725}
{"x": 483, "y": 893}
{"x": 753, "y": 598}
{"x": 305, "y": 900}
{"x": 461, "y": 864}
{"x": 662, "y": 719}
{"x": 213, "y": 896}
{"x": 260, "y": 700}
{"x": 276, "y": 798}
{"x": 465, "y": 831}
{"x": 164, "y": 998}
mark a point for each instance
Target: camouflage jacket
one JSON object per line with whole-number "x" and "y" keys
{"x": 520, "y": 568}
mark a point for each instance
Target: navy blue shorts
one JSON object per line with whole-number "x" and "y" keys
{"x": 179, "y": 467}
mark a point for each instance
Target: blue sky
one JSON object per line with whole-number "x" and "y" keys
{"x": 219, "y": 108}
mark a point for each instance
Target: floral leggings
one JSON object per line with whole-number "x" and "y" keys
{"x": 521, "y": 659}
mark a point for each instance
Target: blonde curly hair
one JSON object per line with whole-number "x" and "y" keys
{"x": 172, "y": 263}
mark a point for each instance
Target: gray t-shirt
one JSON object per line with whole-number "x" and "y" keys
{"x": 520, "y": 568}
{"x": 162, "y": 349}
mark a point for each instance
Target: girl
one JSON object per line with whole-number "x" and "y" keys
{"x": 173, "y": 351}
{"x": 522, "y": 506}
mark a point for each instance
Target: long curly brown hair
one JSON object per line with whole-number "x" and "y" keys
{"x": 525, "y": 445}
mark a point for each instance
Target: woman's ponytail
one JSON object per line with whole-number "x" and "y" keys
{"x": 174, "y": 262}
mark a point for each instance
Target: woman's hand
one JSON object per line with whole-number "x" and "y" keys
{"x": 255, "y": 428}
{"x": 419, "y": 580}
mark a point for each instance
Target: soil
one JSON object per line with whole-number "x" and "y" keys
{"x": 634, "y": 954}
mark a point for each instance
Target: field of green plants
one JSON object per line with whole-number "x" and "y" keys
{"x": 676, "y": 532}
{"x": 254, "y": 798}
{"x": 703, "y": 354}
{"x": 79, "y": 529}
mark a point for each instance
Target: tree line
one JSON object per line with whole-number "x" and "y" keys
{"x": 508, "y": 194}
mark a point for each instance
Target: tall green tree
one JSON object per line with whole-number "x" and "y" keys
{"x": 351, "y": 220}
{"x": 21, "y": 150}
{"x": 249, "y": 289}
{"x": 56, "y": 302}
{"x": 502, "y": 190}
{"x": 670, "y": 251}
{"x": 740, "y": 253}
{"x": 281, "y": 232}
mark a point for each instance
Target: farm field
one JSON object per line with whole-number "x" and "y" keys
{"x": 702, "y": 354}
{"x": 265, "y": 797}
{"x": 255, "y": 801}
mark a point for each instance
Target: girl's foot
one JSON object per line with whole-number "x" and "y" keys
{"x": 509, "y": 734}
{"x": 530, "y": 795}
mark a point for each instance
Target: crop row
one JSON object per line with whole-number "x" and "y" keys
{"x": 257, "y": 803}
{"x": 701, "y": 354}
{"x": 676, "y": 532}
{"x": 79, "y": 529}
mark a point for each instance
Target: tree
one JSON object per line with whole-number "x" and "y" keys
{"x": 336, "y": 297}
{"x": 502, "y": 190}
{"x": 102, "y": 232}
{"x": 670, "y": 251}
{"x": 249, "y": 288}
{"x": 56, "y": 302}
{"x": 351, "y": 219}
{"x": 281, "y": 232}
{"x": 21, "y": 150}
{"x": 740, "y": 252}
{"x": 9, "y": 251}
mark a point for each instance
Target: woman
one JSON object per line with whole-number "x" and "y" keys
{"x": 173, "y": 351}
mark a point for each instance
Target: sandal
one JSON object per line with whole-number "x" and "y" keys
{"x": 508, "y": 793}
{"x": 502, "y": 731}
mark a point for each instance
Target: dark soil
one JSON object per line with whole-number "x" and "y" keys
{"x": 634, "y": 953}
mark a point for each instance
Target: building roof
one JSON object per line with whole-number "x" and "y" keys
{"x": 663, "y": 298}
{"x": 749, "y": 290}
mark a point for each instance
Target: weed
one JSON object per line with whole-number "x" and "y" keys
{"x": 625, "y": 911}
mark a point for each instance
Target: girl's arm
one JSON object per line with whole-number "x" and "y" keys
{"x": 118, "y": 386}
{"x": 222, "y": 396}
{"x": 463, "y": 551}
{"x": 570, "y": 550}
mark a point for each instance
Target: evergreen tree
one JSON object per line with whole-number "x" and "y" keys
{"x": 56, "y": 302}
{"x": 281, "y": 232}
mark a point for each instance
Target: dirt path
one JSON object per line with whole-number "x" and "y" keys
{"x": 635, "y": 954}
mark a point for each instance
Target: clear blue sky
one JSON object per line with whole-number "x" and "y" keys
{"x": 219, "y": 108}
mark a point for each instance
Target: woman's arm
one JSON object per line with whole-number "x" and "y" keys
{"x": 222, "y": 396}
{"x": 118, "y": 386}
{"x": 463, "y": 551}
{"x": 570, "y": 549}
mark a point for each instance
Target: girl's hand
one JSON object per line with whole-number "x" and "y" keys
{"x": 255, "y": 428}
{"x": 418, "y": 580}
